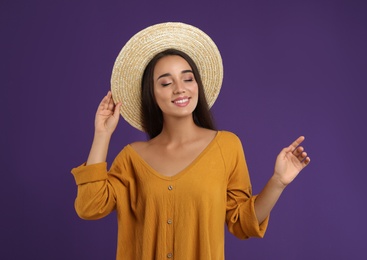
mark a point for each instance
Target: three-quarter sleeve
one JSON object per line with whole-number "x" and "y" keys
{"x": 240, "y": 212}
{"x": 96, "y": 197}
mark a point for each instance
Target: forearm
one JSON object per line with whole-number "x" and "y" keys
{"x": 99, "y": 149}
{"x": 267, "y": 198}
{"x": 95, "y": 200}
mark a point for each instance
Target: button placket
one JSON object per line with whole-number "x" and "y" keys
{"x": 169, "y": 221}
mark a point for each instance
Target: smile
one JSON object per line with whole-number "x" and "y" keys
{"x": 180, "y": 101}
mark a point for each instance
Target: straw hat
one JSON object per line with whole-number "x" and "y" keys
{"x": 130, "y": 64}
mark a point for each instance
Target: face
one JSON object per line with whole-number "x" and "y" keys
{"x": 175, "y": 87}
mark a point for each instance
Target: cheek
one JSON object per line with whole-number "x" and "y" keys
{"x": 195, "y": 95}
{"x": 156, "y": 93}
{"x": 195, "y": 90}
{"x": 161, "y": 96}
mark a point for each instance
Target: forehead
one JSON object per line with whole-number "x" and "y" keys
{"x": 171, "y": 62}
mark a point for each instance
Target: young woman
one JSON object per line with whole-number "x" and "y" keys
{"x": 174, "y": 192}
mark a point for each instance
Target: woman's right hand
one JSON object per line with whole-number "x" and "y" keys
{"x": 107, "y": 115}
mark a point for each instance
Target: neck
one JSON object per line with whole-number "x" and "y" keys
{"x": 179, "y": 129}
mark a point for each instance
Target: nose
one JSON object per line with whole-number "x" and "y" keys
{"x": 179, "y": 88}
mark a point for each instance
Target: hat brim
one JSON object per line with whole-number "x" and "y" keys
{"x": 132, "y": 60}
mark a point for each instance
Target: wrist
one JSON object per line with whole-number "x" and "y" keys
{"x": 102, "y": 136}
{"x": 276, "y": 182}
{"x": 99, "y": 149}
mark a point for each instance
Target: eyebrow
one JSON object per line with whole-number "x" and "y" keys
{"x": 169, "y": 74}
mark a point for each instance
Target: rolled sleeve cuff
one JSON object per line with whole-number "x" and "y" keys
{"x": 253, "y": 226}
{"x": 90, "y": 173}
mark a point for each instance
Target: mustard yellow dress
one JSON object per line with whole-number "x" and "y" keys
{"x": 180, "y": 217}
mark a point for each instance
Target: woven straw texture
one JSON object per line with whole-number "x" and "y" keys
{"x": 142, "y": 47}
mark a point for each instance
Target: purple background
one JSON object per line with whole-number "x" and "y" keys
{"x": 291, "y": 68}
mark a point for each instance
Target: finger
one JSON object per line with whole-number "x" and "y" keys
{"x": 117, "y": 109}
{"x": 105, "y": 101}
{"x": 109, "y": 100}
{"x": 108, "y": 103}
{"x": 306, "y": 161}
{"x": 114, "y": 103}
{"x": 298, "y": 151}
{"x": 102, "y": 104}
{"x": 296, "y": 143}
{"x": 111, "y": 104}
{"x": 302, "y": 156}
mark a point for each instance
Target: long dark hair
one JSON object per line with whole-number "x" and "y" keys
{"x": 152, "y": 117}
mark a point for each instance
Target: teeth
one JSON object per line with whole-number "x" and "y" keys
{"x": 182, "y": 101}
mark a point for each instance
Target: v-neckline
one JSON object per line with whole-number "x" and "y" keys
{"x": 184, "y": 170}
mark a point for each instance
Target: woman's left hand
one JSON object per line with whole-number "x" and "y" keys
{"x": 290, "y": 161}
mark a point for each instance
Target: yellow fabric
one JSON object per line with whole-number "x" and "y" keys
{"x": 180, "y": 217}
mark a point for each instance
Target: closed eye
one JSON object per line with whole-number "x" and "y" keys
{"x": 165, "y": 84}
{"x": 188, "y": 80}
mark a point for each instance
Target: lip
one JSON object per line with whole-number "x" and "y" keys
{"x": 181, "y": 101}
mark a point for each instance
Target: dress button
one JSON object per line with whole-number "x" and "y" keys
{"x": 169, "y": 255}
{"x": 170, "y": 187}
{"x": 169, "y": 221}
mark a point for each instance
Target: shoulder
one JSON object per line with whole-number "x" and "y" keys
{"x": 227, "y": 137}
{"x": 138, "y": 146}
{"x": 229, "y": 144}
{"x": 231, "y": 148}
{"x": 130, "y": 151}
